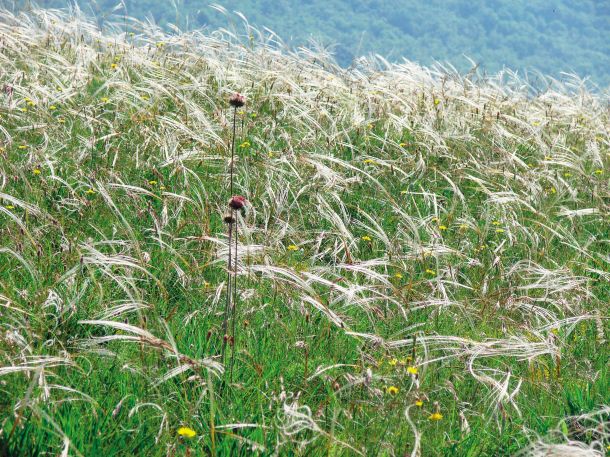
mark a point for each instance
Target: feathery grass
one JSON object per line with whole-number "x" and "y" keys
{"x": 445, "y": 235}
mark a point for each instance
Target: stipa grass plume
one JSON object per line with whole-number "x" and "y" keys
{"x": 565, "y": 440}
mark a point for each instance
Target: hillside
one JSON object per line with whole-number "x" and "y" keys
{"x": 422, "y": 262}
{"x": 548, "y": 36}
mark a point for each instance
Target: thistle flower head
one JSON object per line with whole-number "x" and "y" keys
{"x": 237, "y": 202}
{"x": 228, "y": 218}
{"x": 237, "y": 100}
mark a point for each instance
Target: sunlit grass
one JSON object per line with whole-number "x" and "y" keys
{"x": 423, "y": 269}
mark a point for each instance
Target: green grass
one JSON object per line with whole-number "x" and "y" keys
{"x": 451, "y": 241}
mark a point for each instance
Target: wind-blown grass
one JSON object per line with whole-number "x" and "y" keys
{"x": 424, "y": 269}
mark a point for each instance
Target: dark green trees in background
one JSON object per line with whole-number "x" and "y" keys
{"x": 551, "y": 36}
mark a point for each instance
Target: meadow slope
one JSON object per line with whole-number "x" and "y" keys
{"x": 423, "y": 266}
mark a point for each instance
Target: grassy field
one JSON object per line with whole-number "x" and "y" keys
{"x": 423, "y": 265}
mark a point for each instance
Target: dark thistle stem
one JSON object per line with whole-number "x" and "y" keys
{"x": 229, "y": 289}
{"x": 232, "y": 151}
{"x": 231, "y": 223}
{"x": 235, "y": 203}
{"x": 235, "y": 300}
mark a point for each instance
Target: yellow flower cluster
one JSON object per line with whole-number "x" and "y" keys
{"x": 186, "y": 432}
{"x": 392, "y": 390}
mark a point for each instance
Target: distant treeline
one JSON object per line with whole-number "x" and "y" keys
{"x": 551, "y": 36}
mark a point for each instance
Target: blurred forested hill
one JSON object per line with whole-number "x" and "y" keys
{"x": 546, "y": 35}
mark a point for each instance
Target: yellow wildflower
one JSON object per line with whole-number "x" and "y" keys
{"x": 187, "y": 432}
{"x": 152, "y": 183}
{"x": 499, "y": 230}
{"x": 392, "y": 390}
{"x": 442, "y": 227}
{"x": 412, "y": 370}
{"x": 371, "y": 161}
{"x": 245, "y": 144}
{"x": 419, "y": 403}
{"x": 430, "y": 272}
{"x": 52, "y": 107}
{"x": 22, "y": 146}
{"x": 403, "y": 362}
{"x": 90, "y": 191}
{"x": 398, "y": 275}
{"x": 104, "y": 99}
{"x": 366, "y": 238}
{"x": 599, "y": 171}
{"x": 9, "y": 206}
{"x": 435, "y": 416}
{"x": 113, "y": 66}
{"x": 293, "y": 247}
{"x": 36, "y": 171}
{"x": 393, "y": 362}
